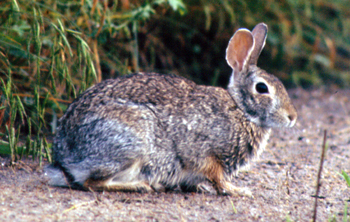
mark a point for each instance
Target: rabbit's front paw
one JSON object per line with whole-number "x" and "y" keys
{"x": 227, "y": 188}
{"x": 205, "y": 188}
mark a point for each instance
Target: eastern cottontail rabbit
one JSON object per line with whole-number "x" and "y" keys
{"x": 149, "y": 131}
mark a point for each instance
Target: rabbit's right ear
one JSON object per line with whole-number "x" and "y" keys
{"x": 259, "y": 33}
{"x": 239, "y": 50}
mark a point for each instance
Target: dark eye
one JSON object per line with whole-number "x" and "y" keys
{"x": 261, "y": 88}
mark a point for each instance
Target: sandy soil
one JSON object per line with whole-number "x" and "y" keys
{"x": 283, "y": 180}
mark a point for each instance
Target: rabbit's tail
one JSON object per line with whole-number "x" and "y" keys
{"x": 55, "y": 176}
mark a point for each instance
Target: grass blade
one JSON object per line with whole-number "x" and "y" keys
{"x": 346, "y": 177}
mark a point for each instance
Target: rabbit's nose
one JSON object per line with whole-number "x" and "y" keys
{"x": 292, "y": 118}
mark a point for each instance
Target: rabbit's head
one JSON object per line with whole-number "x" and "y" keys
{"x": 260, "y": 95}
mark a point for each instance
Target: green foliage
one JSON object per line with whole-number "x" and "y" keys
{"x": 308, "y": 41}
{"x": 346, "y": 218}
{"x": 50, "y": 52}
{"x": 346, "y": 177}
{"x": 234, "y": 208}
{"x": 288, "y": 219}
{"x": 332, "y": 219}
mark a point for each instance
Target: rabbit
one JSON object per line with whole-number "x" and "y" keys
{"x": 153, "y": 132}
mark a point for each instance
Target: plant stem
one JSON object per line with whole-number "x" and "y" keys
{"x": 318, "y": 185}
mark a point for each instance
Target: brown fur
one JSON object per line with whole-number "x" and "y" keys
{"x": 214, "y": 172}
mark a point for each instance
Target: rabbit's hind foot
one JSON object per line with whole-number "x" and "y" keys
{"x": 129, "y": 179}
{"x": 110, "y": 185}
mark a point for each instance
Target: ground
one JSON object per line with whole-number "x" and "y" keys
{"x": 282, "y": 181}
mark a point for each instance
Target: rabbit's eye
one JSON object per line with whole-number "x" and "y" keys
{"x": 261, "y": 88}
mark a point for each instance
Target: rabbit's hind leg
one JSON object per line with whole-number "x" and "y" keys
{"x": 110, "y": 185}
{"x": 129, "y": 179}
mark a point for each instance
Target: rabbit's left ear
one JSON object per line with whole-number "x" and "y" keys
{"x": 239, "y": 50}
{"x": 259, "y": 33}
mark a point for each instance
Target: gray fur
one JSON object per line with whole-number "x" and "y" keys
{"x": 150, "y": 131}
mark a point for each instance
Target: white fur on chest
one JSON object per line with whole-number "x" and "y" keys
{"x": 263, "y": 143}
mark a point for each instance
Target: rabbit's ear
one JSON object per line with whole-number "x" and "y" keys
{"x": 239, "y": 50}
{"x": 259, "y": 33}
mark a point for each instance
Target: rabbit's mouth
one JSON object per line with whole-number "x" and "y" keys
{"x": 292, "y": 122}
{"x": 274, "y": 121}
{"x": 289, "y": 121}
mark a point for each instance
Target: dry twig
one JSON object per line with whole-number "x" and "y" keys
{"x": 318, "y": 185}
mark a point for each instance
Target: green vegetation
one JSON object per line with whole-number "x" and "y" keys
{"x": 52, "y": 50}
{"x": 346, "y": 218}
{"x": 346, "y": 177}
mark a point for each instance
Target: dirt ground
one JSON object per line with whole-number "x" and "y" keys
{"x": 283, "y": 180}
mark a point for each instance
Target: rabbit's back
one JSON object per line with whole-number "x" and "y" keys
{"x": 143, "y": 89}
{"x": 162, "y": 99}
